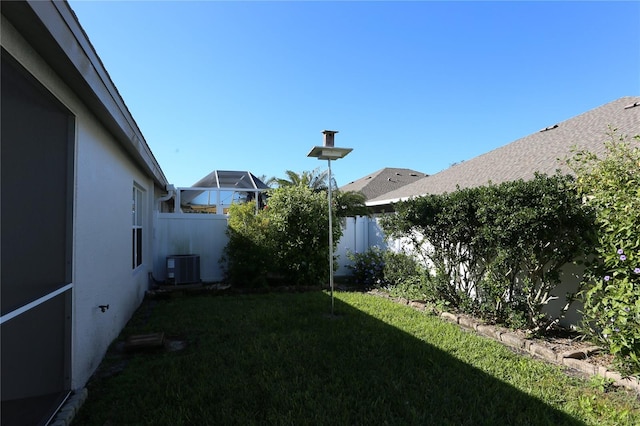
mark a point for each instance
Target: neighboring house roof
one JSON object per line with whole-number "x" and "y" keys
{"x": 53, "y": 30}
{"x": 383, "y": 181}
{"x": 543, "y": 152}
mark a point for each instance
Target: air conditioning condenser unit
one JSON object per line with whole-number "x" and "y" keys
{"x": 183, "y": 269}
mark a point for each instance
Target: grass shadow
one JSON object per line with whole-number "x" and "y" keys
{"x": 281, "y": 359}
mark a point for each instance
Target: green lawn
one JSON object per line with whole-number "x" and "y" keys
{"x": 283, "y": 359}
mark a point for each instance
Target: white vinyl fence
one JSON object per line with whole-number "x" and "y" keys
{"x": 190, "y": 233}
{"x": 205, "y": 235}
{"x": 358, "y": 235}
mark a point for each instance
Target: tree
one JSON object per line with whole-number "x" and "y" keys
{"x": 350, "y": 204}
{"x": 299, "y": 233}
{"x": 346, "y": 204}
{"x": 315, "y": 179}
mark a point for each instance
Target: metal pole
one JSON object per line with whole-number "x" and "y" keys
{"x": 330, "y": 239}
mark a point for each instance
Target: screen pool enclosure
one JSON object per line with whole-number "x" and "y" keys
{"x": 217, "y": 191}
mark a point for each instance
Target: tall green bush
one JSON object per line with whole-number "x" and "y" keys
{"x": 611, "y": 185}
{"x": 299, "y": 232}
{"x": 496, "y": 251}
{"x": 531, "y": 230}
{"x": 247, "y": 255}
{"x": 286, "y": 243}
{"x": 442, "y": 230}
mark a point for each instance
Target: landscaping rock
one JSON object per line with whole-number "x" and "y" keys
{"x": 580, "y": 365}
{"x": 489, "y": 331}
{"x": 583, "y": 353}
{"x": 512, "y": 340}
{"x": 417, "y": 304}
{"x": 467, "y": 322}
{"x": 449, "y": 317}
{"x": 543, "y": 352}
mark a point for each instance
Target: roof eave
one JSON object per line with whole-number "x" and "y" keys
{"x": 52, "y": 29}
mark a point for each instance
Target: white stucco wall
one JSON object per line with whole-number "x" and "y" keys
{"x": 102, "y": 223}
{"x": 103, "y": 273}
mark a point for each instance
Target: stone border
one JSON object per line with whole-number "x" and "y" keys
{"x": 70, "y": 408}
{"x": 571, "y": 359}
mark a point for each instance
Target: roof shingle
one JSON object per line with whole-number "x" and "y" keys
{"x": 543, "y": 152}
{"x": 383, "y": 181}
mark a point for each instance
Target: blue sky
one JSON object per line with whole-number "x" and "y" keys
{"x": 242, "y": 85}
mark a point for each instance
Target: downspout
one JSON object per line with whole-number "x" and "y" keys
{"x": 171, "y": 192}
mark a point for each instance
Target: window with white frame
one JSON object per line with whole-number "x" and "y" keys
{"x": 137, "y": 217}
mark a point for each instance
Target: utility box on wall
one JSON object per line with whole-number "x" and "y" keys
{"x": 183, "y": 269}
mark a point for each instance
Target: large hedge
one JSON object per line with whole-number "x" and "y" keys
{"x": 497, "y": 251}
{"x": 285, "y": 243}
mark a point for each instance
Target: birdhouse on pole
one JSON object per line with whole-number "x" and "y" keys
{"x": 328, "y": 138}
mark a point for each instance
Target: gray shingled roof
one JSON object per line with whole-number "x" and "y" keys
{"x": 383, "y": 181}
{"x": 543, "y": 152}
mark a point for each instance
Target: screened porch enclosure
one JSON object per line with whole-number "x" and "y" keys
{"x": 37, "y": 136}
{"x": 217, "y": 191}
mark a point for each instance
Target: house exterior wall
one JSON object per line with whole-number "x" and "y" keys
{"x": 103, "y": 271}
{"x": 104, "y": 176}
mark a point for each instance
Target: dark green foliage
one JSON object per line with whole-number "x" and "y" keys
{"x": 287, "y": 242}
{"x": 246, "y": 257}
{"x": 532, "y": 229}
{"x": 316, "y": 179}
{"x": 350, "y": 204}
{"x": 399, "y": 273}
{"x": 299, "y": 233}
{"x": 346, "y": 204}
{"x": 496, "y": 251}
{"x": 404, "y": 275}
{"x": 367, "y": 268}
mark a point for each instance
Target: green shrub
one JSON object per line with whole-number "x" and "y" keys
{"x": 285, "y": 243}
{"x": 367, "y": 268}
{"x": 531, "y": 230}
{"x": 496, "y": 251}
{"x": 611, "y": 186}
{"x": 400, "y": 267}
{"x": 246, "y": 257}
{"x": 399, "y": 273}
{"x": 406, "y": 277}
{"x": 441, "y": 230}
{"x": 299, "y": 233}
